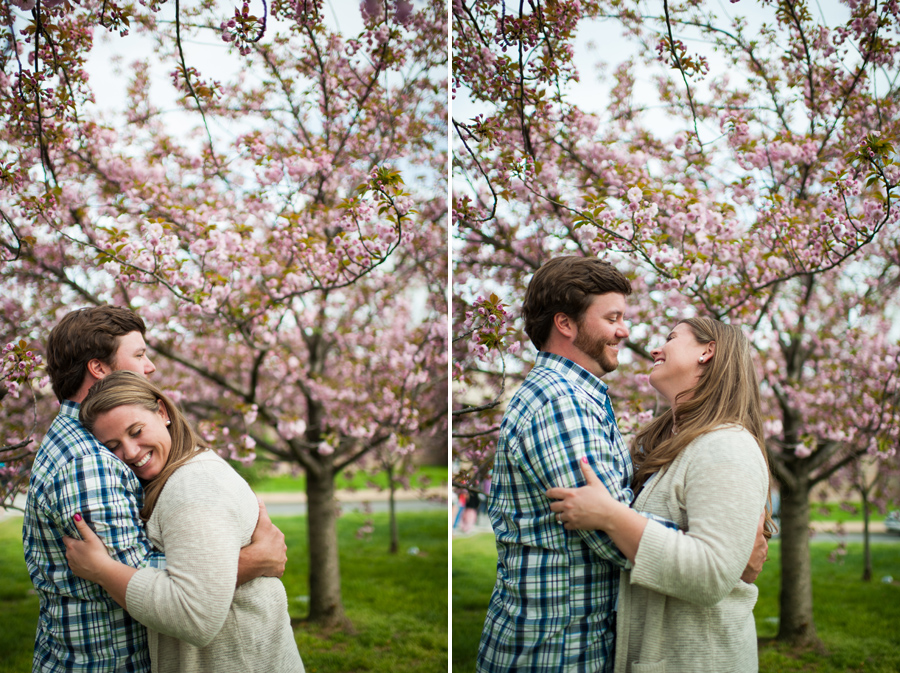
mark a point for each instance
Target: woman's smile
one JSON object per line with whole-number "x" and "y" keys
{"x": 143, "y": 461}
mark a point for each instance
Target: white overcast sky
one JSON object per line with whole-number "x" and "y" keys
{"x": 110, "y": 60}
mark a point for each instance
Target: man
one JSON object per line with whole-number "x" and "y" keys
{"x": 553, "y": 605}
{"x": 80, "y": 627}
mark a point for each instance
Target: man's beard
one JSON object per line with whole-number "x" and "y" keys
{"x": 595, "y": 348}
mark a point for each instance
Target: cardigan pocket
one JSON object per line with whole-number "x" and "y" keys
{"x": 658, "y": 667}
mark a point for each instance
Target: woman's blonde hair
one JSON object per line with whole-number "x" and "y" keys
{"x": 727, "y": 393}
{"x": 122, "y": 388}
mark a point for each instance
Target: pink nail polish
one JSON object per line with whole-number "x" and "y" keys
{"x": 77, "y": 517}
{"x": 584, "y": 460}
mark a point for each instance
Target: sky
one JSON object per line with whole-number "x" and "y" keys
{"x": 599, "y": 45}
{"x": 112, "y": 55}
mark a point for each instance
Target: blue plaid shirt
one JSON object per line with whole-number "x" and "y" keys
{"x": 80, "y": 627}
{"x": 553, "y": 604}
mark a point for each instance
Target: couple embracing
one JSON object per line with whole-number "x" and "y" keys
{"x": 147, "y": 550}
{"x": 648, "y": 568}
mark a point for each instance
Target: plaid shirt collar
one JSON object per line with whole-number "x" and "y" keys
{"x": 70, "y": 409}
{"x": 573, "y": 372}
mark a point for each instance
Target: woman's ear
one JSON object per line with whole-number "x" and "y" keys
{"x": 163, "y": 411}
{"x": 710, "y": 351}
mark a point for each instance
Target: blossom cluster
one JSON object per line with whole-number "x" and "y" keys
{"x": 19, "y": 367}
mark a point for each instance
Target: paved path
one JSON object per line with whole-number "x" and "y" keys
{"x": 294, "y": 504}
{"x": 822, "y": 531}
{"x": 849, "y": 527}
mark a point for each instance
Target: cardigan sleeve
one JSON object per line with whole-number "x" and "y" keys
{"x": 200, "y": 527}
{"x": 723, "y": 492}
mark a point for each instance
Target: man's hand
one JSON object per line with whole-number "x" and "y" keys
{"x": 271, "y": 542}
{"x": 266, "y": 555}
{"x": 759, "y": 554}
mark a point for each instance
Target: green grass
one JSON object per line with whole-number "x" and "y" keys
{"x": 256, "y": 476}
{"x": 833, "y": 511}
{"x": 18, "y": 602}
{"x": 474, "y": 572}
{"x": 857, "y": 621}
{"x": 397, "y": 604}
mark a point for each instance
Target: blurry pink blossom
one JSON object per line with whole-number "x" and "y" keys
{"x": 404, "y": 11}
{"x": 371, "y": 8}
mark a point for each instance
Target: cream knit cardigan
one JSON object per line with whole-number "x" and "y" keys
{"x": 197, "y": 621}
{"x": 683, "y": 607}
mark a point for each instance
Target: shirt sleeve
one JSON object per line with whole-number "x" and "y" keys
{"x": 200, "y": 526}
{"x": 724, "y": 493}
{"x": 562, "y": 432}
{"x": 108, "y": 495}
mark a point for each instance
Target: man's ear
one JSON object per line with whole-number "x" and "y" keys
{"x": 565, "y": 325}
{"x": 98, "y": 369}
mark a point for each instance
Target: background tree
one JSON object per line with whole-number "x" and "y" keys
{"x": 737, "y": 166}
{"x": 282, "y": 231}
{"x": 875, "y": 481}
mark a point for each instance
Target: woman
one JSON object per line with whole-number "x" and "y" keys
{"x": 200, "y": 513}
{"x": 702, "y": 464}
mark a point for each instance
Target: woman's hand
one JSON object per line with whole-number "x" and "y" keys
{"x": 584, "y": 508}
{"x": 592, "y": 507}
{"x": 87, "y": 557}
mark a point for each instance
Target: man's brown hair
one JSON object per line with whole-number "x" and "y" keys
{"x": 84, "y": 335}
{"x": 566, "y": 285}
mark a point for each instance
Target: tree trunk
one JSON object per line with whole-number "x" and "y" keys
{"x": 867, "y": 554}
{"x": 325, "y": 606}
{"x": 392, "y": 505}
{"x": 796, "y": 625}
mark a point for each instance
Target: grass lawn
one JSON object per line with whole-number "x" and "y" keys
{"x": 256, "y": 475}
{"x": 396, "y": 603}
{"x": 842, "y": 512}
{"x": 856, "y": 621}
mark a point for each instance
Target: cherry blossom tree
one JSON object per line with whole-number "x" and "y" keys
{"x": 282, "y": 231}
{"x": 874, "y": 480}
{"x": 738, "y": 164}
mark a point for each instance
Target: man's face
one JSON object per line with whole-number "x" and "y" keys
{"x": 600, "y": 330}
{"x": 132, "y": 355}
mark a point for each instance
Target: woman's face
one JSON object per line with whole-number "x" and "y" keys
{"x": 676, "y": 366}
{"x": 137, "y": 436}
